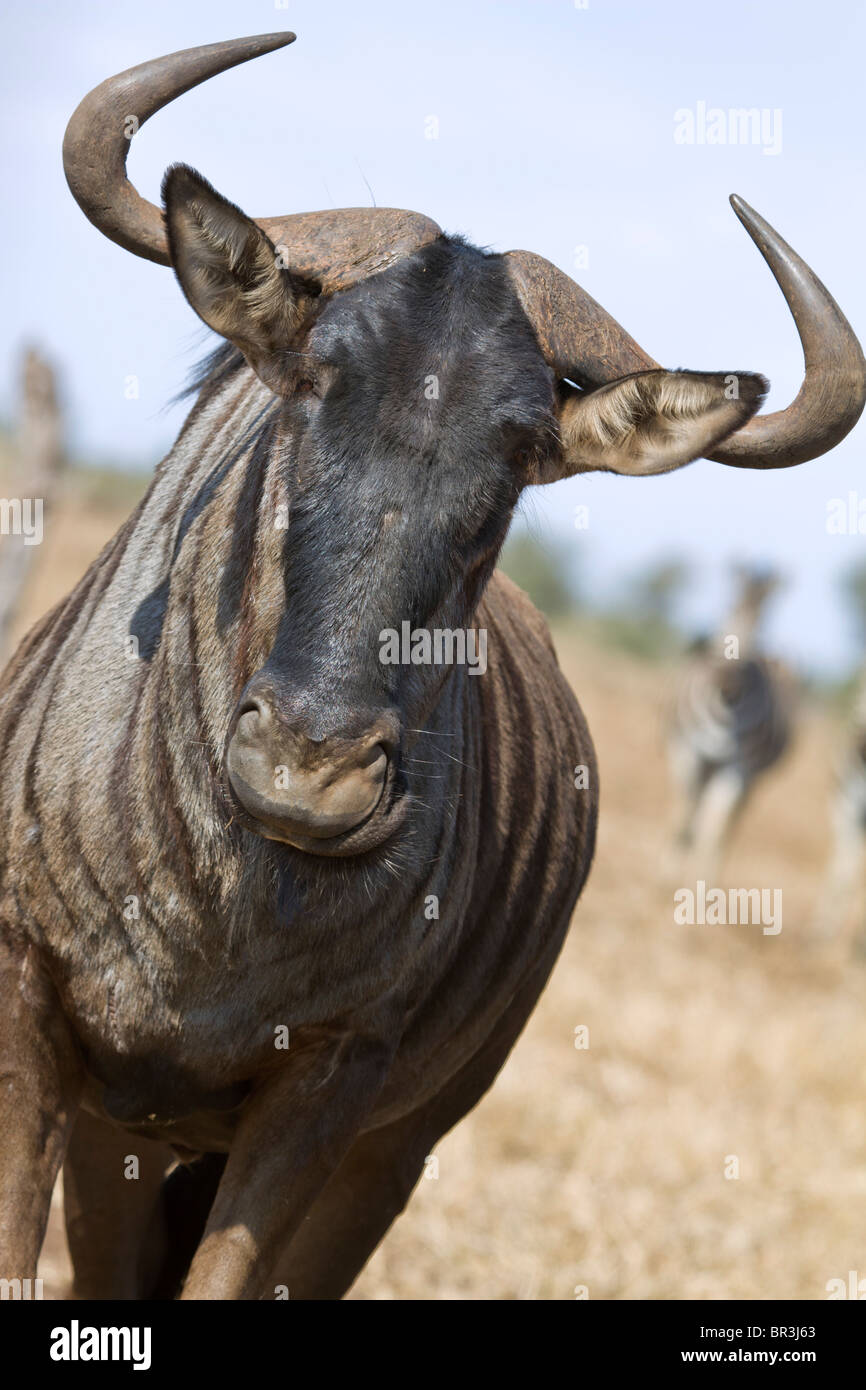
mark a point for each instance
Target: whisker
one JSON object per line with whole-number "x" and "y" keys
{"x": 461, "y": 762}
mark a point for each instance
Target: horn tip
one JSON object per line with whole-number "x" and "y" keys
{"x": 753, "y": 222}
{"x": 269, "y": 42}
{"x": 741, "y": 207}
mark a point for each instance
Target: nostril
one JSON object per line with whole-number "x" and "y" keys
{"x": 252, "y": 718}
{"x": 374, "y": 757}
{"x": 382, "y": 740}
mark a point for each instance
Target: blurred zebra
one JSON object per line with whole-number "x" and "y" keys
{"x": 835, "y": 911}
{"x": 731, "y": 720}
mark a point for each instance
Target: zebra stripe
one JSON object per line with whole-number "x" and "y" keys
{"x": 733, "y": 714}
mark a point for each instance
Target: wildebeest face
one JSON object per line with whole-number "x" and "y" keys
{"x": 415, "y": 401}
{"x": 415, "y": 406}
{"x": 411, "y": 404}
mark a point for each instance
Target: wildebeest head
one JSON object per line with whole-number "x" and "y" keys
{"x": 421, "y": 385}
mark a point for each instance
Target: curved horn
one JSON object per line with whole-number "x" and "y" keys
{"x": 581, "y": 341}
{"x": 337, "y": 247}
{"x": 579, "y": 338}
{"x": 831, "y": 398}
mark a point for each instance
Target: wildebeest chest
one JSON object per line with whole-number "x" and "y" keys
{"x": 188, "y": 952}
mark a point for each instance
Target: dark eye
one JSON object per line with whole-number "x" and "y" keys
{"x": 520, "y": 443}
{"x": 525, "y": 457}
{"x": 306, "y": 386}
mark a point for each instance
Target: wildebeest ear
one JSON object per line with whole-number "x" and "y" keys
{"x": 653, "y": 422}
{"x": 229, "y": 271}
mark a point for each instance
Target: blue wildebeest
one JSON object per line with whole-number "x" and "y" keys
{"x": 228, "y": 824}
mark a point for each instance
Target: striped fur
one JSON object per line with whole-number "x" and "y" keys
{"x": 178, "y": 941}
{"x": 731, "y": 721}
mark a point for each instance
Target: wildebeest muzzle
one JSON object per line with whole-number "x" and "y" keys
{"x": 314, "y": 778}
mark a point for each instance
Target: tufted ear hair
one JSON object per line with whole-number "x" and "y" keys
{"x": 229, "y": 271}
{"x": 653, "y": 422}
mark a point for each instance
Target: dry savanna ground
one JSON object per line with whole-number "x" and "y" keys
{"x": 607, "y": 1170}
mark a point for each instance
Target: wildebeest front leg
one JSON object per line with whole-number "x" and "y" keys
{"x": 294, "y": 1132}
{"x": 114, "y": 1222}
{"x": 373, "y": 1183}
{"x": 40, "y": 1084}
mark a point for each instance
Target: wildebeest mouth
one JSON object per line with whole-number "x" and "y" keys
{"x": 322, "y": 785}
{"x": 378, "y": 824}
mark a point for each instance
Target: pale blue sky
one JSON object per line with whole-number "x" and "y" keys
{"x": 556, "y": 130}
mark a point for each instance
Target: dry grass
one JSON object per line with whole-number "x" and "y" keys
{"x": 605, "y": 1167}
